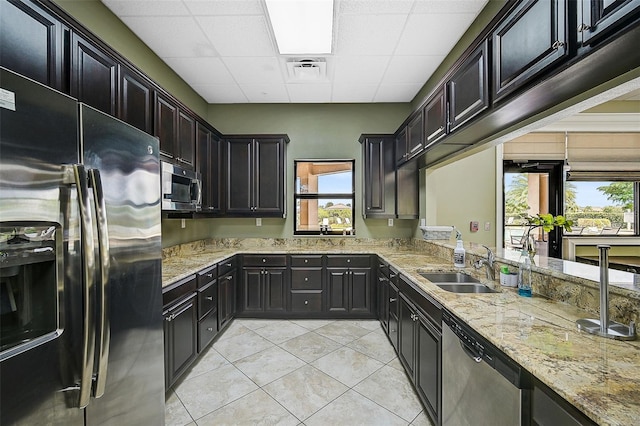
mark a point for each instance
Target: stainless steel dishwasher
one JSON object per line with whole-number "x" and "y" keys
{"x": 480, "y": 385}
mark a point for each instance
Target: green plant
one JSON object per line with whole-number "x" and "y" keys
{"x": 547, "y": 222}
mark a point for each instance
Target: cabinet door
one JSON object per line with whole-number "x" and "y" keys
{"x": 383, "y": 300}
{"x": 379, "y": 177}
{"x": 435, "y": 118}
{"x": 166, "y": 125}
{"x": 32, "y": 43}
{"x": 393, "y": 314}
{"x": 239, "y": 171}
{"x": 407, "y": 191}
{"x": 181, "y": 338}
{"x": 360, "y": 290}
{"x": 401, "y": 146}
{"x": 601, "y": 17}
{"x": 407, "y": 340}
{"x": 415, "y": 141}
{"x": 186, "y": 148}
{"x": 226, "y": 299}
{"x": 338, "y": 289}
{"x": 208, "y": 155}
{"x": 428, "y": 381}
{"x": 136, "y": 100}
{"x": 269, "y": 175}
{"x": 252, "y": 295}
{"x": 468, "y": 88}
{"x": 275, "y": 290}
{"x": 529, "y": 41}
{"x": 94, "y": 76}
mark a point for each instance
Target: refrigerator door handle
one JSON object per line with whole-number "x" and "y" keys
{"x": 88, "y": 274}
{"x": 103, "y": 326}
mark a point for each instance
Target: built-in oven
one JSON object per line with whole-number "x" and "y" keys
{"x": 181, "y": 188}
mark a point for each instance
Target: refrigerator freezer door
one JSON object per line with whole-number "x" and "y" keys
{"x": 127, "y": 160}
{"x": 38, "y": 134}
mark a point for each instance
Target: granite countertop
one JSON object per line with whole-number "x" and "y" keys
{"x": 601, "y": 377}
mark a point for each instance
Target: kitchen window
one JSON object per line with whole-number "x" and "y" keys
{"x": 324, "y": 197}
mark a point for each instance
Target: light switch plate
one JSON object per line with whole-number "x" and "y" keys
{"x": 183, "y": 223}
{"x": 390, "y": 222}
{"x": 487, "y": 226}
{"x": 258, "y": 221}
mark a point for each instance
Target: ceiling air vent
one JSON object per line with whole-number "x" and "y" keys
{"x": 307, "y": 69}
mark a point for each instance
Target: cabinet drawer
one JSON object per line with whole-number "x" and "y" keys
{"x": 207, "y": 329}
{"x": 226, "y": 266}
{"x": 177, "y": 290}
{"x": 306, "y": 261}
{"x": 355, "y": 261}
{"x": 207, "y": 299}
{"x": 207, "y": 276}
{"x": 306, "y": 279}
{"x": 306, "y": 301}
{"x": 264, "y": 260}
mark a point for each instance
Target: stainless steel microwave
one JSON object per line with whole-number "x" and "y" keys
{"x": 181, "y": 188}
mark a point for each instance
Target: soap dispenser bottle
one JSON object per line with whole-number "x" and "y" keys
{"x": 459, "y": 252}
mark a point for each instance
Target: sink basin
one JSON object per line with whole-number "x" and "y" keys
{"x": 457, "y": 282}
{"x": 448, "y": 277}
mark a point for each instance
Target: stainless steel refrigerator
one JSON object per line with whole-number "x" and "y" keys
{"x": 80, "y": 264}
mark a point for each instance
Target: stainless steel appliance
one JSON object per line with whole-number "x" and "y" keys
{"x": 181, "y": 188}
{"x": 81, "y": 337}
{"x": 480, "y": 385}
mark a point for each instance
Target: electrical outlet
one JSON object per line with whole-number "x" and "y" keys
{"x": 487, "y": 226}
{"x": 390, "y": 222}
{"x": 183, "y": 223}
{"x": 423, "y": 222}
{"x": 258, "y": 221}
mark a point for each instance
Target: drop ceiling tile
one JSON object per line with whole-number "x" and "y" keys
{"x": 171, "y": 37}
{"x": 397, "y": 92}
{"x": 146, "y": 7}
{"x": 238, "y": 35}
{"x": 224, "y": 7}
{"x": 198, "y": 71}
{"x": 221, "y": 93}
{"x": 411, "y": 69}
{"x": 368, "y": 34}
{"x": 360, "y": 69}
{"x": 432, "y": 34}
{"x": 449, "y": 6}
{"x": 263, "y": 70}
{"x": 374, "y": 6}
{"x": 266, "y": 93}
{"x": 353, "y": 93}
{"x": 309, "y": 92}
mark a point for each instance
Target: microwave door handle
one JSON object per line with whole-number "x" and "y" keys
{"x": 103, "y": 326}
{"x": 88, "y": 274}
{"x": 199, "y": 196}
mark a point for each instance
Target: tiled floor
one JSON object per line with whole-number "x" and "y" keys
{"x": 311, "y": 372}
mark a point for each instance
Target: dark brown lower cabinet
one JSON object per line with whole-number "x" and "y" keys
{"x": 180, "y": 337}
{"x": 349, "y": 290}
{"x": 263, "y": 290}
{"x": 393, "y": 313}
{"x": 226, "y": 299}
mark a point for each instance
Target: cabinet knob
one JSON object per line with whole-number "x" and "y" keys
{"x": 229, "y": 278}
{"x": 229, "y": 265}
{"x": 583, "y": 27}
{"x": 348, "y": 260}
{"x": 306, "y": 302}
{"x": 264, "y": 260}
{"x": 209, "y": 328}
{"x": 169, "y": 318}
{"x": 380, "y": 279}
{"x": 391, "y": 300}
{"x": 209, "y": 297}
{"x": 557, "y": 44}
{"x": 306, "y": 260}
{"x": 306, "y": 278}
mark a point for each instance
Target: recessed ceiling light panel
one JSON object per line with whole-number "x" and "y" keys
{"x": 302, "y": 26}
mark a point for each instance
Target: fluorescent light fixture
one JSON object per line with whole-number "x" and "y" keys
{"x": 302, "y": 26}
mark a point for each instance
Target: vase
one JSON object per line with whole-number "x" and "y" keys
{"x": 529, "y": 244}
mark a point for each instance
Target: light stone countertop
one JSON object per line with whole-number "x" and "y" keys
{"x": 601, "y": 377}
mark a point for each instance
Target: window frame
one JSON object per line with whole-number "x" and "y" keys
{"x": 324, "y": 195}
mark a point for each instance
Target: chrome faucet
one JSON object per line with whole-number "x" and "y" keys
{"x": 488, "y": 263}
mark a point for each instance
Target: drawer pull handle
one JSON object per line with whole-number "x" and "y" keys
{"x": 209, "y": 297}
{"x": 209, "y": 328}
{"x": 391, "y": 300}
{"x": 229, "y": 265}
{"x": 380, "y": 279}
{"x": 229, "y": 278}
{"x": 210, "y": 275}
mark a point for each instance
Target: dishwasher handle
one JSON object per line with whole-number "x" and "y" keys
{"x": 471, "y": 352}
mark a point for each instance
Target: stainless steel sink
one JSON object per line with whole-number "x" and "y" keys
{"x": 457, "y": 282}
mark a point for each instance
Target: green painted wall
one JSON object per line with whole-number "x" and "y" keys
{"x": 104, "y": 24}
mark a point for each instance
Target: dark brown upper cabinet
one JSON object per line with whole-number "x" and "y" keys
{"x": 255, "y": 176}
{"x": 435, "y": 118}
{"x": 530, "y": 40}
{"x": 468, "y": 88}
{"x": 409, "y": 143}
{"x": 32, "y": 42}
{"x": 379, "y": 180}
{"x": 176, "y": 131}
{"x": 209, "y": 165}
{"x": 136, "y": 100}
{"x": 599, "y": 17}
{"x": 94, "y": 75}
{"x": 407, "y": 191}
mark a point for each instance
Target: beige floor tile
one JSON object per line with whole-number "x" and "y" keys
{"x": 422, "y": 420}
{"x": 281, "y": 331}
{"x": 353, "y": 409}
{"x": 255, "y": 324}
{"x": 210, "y": 391}
{"x": 256, "y": 408}
{"x": 234, "y": 329}
{"x": 268, "y": 365}
{"x": 395, "y": 363}
{"x": 210, "y": 360}
{"x": 347, "y": 365}
{"x": 242, "y": 346}
{"x": 310, "y": 346}
{"x": 342, "y": 331}
{"x": 175, "y": 413}
{"x": 305, "y": 391}
{"x": 403, "y": 401}
{"x": 312, "y": 324}
{"x": 376, "y": 345}
{"x": 371, "y": 325}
